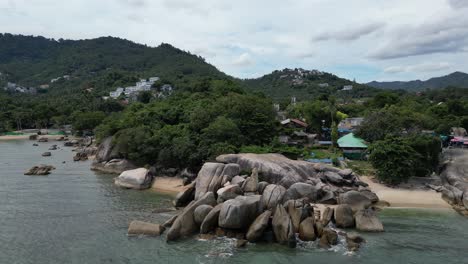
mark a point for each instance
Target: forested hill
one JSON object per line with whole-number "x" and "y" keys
{"x": 457, "y": 79}
{"x": 103, "y": 63}
{"x": 305, "y": 84}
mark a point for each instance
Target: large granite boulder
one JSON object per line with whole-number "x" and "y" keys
{"x": 138, "y": 179}
{"x": 297, "y": 214}
{"x": 114, "y": 166}
{"x": 240, "y": 212}
{"x": 144, "y": 228}
{"x": 104, "y": 151}
{"x": 184, "y": 224}
{"x": 307, "y": 230}
{"x": 210, "y": 177}
{"x": 367, "y": 220}
{"x": 185, "y": 196}
{"x": 211, "y": 220}
{"x": 301, "y": 190}
{"x": 40, "y": 170}
{"x": 275, "y": 168}
{"x": 329, "y": 238}
{"x": 257, "y": 228}
{"x": 261, "y": 187}
{"x": 344, "y": 216}
{"x": 239, "y": 180}
{"x": 272, "y": 196}
{"x": 333, "y": 177}
{"x": 354, "y": 198}
{"x": 251, "y": 183}
{"x": 201, "y": 212}
{"x": 283, "y": 228}
{"x": 228, "y": 192}
{"x": 327, "y": 216}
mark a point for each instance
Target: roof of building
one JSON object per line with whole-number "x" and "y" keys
{"x": 350, "y": 141}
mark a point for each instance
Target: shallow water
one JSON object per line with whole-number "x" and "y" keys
{"x": 77, "y": 216}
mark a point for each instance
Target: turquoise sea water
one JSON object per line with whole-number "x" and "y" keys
{"x": 77, "y": 216}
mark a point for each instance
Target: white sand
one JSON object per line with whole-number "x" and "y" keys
{"x": 168, "y": 185}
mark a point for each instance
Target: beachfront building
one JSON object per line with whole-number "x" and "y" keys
{"x": 353, "y": 147}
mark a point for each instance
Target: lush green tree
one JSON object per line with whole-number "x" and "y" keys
{"x": 145, "y": 97}
{"x": 87, "y": 120}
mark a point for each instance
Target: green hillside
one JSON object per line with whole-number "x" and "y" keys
{"x": 456, "y": 79}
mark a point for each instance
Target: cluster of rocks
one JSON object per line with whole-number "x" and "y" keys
{"x": 455, "y": 180}
{"x": 281, "y": 200}
{"x": 40, "y": 170}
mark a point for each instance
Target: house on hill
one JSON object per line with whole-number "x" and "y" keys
{"x": 294, "y": 123}
{"x": 352, "y": 147}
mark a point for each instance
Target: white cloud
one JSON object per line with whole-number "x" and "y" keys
{"x": 424, "y": 67}
{"x": 244, "y": 60}
{"x": 350, "y": 33}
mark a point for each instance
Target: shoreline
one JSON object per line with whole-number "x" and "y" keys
{"x": 405, "y": 198}
{"x": 26, "y": 137}
{"x": 168, "y": 185}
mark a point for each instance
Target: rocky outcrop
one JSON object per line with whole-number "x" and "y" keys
{"x": 104, "y": 151}
{"x": 454, "y": 177}
{"x": 211, "y": 220}
{"x": 354, "y": 198}
{"x": 367, "y": 220}
{"x": 301, "y": 190}
{"x": 257, "y": 228}
{"x": 80, "y": 156}
{"x": 251, "y": 183}
{"x": 185, "y": 196}
{"x": 272, "y": 196}
{"x": 327, "y": 216}
{"x": 274, "y": 168}
{"x": 40, "y": 170}
{"x": 201, "y": 212}
{"x": 283, "y": 228}
{"x": 210, "y": 177}
{"x": 144, "y": 228}
{"x": 228, "y": 192}
{"x": 240, "y": 212}
{"x": 138, "y": 179}
{"x": 344, "y": 216}
{"x": 184, "y": 224}
{"x": 114, "y": 166}
{"x": 329, "y": 238}
{"x": 307, "y": 230}
{"x": 353, "y": 241}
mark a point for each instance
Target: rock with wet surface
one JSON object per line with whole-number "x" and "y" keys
{"x": 240, "y": 212}
{"x": 329, "y": 238}
{"x": 201, "y": 212}
{"x": 367, "y": 221}
{"x": 257, "y": 228}
{"x": 40, "y": 170}
{"x": 272, "y": 196}
{"x": 307, "y": 230}
{"x": 283, "y": 228}
{"x": 144, "y": 228}
{"x": 344, "y": 216}
{"x": 211, "y": 220}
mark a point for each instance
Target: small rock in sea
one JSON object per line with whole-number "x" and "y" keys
{"x": 35, "y": 144}
{"x": 64, "y": 162}
{"x": 144, "y": 228}
{"x": 40, "y": 170}
{"x": 46, "y": 154}
{"x": 206, "y": 236}
{"x": 241, "y": 243}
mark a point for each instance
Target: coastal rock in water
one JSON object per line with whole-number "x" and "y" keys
{"x": 329, "y": 238}
{"x": 240, "y": 212}
{"x": 144, "y": 228}
{"x": 261, "y": 186}
{"x": 80, "y": 156}
{"x": 135, "y": 179}
{"x": 354, "y": 241}
{"x": 210, "y": 177}
{"x": 228, "y": 192}
{"x": 46, "y": 154}
{"x": 297, "y": 215}
{"x": 53, "y": 147}
{"x": 275, "y": 168}
{"x": 272, "y": 196}
{"x": 40, "y": 170}
{"x": 257, "y": 228}
{"x": 170, "y": 221}
{"x": 370, "y": 195}
{"x": 185, "y": 196}
{"x": 367, "y": 220}
{"x": 184, "y": 224}
{"x": 344, "y": 216}
{"x": 354, "y": 198}
{"x": 32, "y": 137}
{"x": 327, "y": 216}
{"x": 283, "y": 228}
{"x": 43, "y": 139}
{"x": 201, "y": 212}
{"x": 211, "y": 220}
{"x": 250, "y": 185}
{"x": 301, "y": 190}
{"x": 306, "y": 229}
{"x": 115, "y": 166}
{"x": 104, "y": 151}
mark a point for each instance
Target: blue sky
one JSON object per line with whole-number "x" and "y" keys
{"x": 362, "y": 39}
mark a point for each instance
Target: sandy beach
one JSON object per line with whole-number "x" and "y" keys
{"x": 168, "y": 185}
{"x": 19, "y": 137}
{"x": 407, "y": 198}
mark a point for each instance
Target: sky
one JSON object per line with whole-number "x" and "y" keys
{"x": 365, "y": 40}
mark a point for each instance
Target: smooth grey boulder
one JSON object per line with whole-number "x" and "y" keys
{"x": 201, "y": 212}
{"x": 370, "y": 195}
{"x": 329, "y": 238}
{"x": 275, "y": 168}
{"x": 346, "y": 173}
{"x": 307, "y": 230}
{"x": 240, "y": 212}
{"x": 210, "y": 177}
{"x": 354, "y": 198}
{"x": 367, "y": 221}
{"x": 283, "y": 228}
{"x": 104, "y": 151}
{"x": 228, "y": 192}
{"x": 185, "y": 196}
{"x": 327, "y": 216}
{"x": 114, "y": 166}
{"x": 211, "y": 220}
{"x": 40, "y": 170}
{"x": 272, "y": 196}
{"x": 333, "y": 177}
{"x": 296, "y": 203}
{"x": 238, "y": 180}
{"x": 344, "y": 216}
{"x": 257, "y": 228}
{"x": 301, "y": 190}
{"x": 452, "y": 195}
{"x": 144, "y": 228}
{"x": 46, "y": 154}
{"x": 327, "y": 197}
{"x": 138, "y": 179}
{"x": 184, "y": 224}
{"x": 261, "y": 186}
{"x": 251, "y": 183}
{"x": 170, "y": 221}
{"x": 297, "y": 215}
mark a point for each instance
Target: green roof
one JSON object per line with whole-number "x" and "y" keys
{"x": 350, "y": 141}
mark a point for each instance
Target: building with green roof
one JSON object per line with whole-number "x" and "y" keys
{"x": 352, "y": 146}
